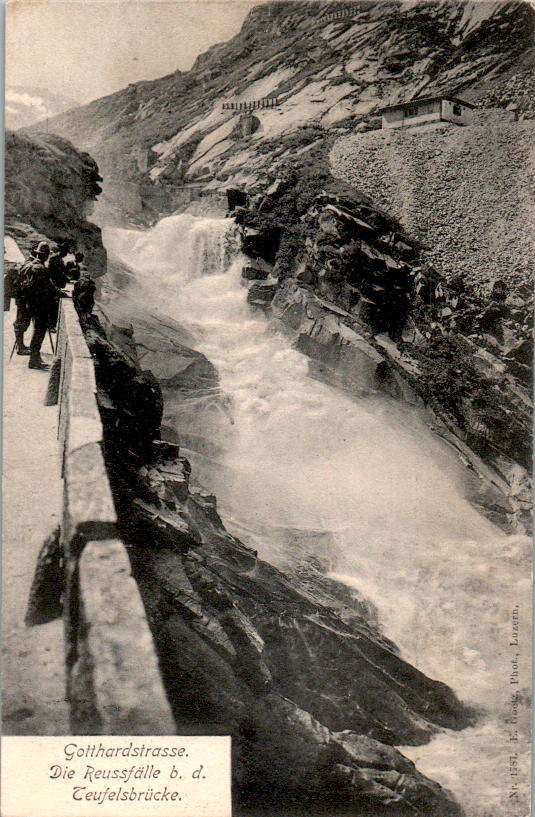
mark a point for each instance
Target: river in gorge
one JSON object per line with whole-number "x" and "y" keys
{"x": 380, "y": 495}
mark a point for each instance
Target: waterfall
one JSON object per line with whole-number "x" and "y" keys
{"x": 363, "y": 484}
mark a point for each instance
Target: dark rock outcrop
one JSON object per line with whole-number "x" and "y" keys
{"x": 261, "y": 243}
{"x": 50, "y": 188}
{"x": 236, "y": 198}
{"x": 284, "y": 664}
{"x": 189, "y": 382}
{"x": 358, "y": 296}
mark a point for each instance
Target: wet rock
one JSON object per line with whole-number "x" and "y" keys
{"x": 261, "y": 243}
{"x": 174, "y": 530}
{"x": 83, "y": 295}
{"x": 290, "y": 664}
{"x": 398, "y": 793}
{"x": 253, "y": 274}
{"x": 401, "y": 327}
{"x": 328, "y": 775}
{"x": 343, "y": 352}
{"x": 218, "y": 659}
{"x": 236, "y": 198}
{"x": 239, "y": 214}
{"x": 134, "y": 398}
{"x": 261, "y": 294}
{"x": 168, "y": 474}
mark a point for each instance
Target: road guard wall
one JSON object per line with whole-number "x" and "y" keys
{"x": 113, "y": 679}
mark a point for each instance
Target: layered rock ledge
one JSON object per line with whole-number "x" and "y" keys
{"x": 362, "y": 299}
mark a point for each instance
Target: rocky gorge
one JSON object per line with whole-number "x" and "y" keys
{"x": 363, "y": 301}
{"x": 228, "y": 625}
{"x": 341, "y": 265}
{"x": 157, "y": 156}
{"x": 352, "y": 330}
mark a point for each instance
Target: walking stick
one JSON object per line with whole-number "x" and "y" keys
{"x": 13, "y": 350}
{"x": 51, "y": 341}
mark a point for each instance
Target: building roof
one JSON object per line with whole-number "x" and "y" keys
{"x": 422, "y": 100}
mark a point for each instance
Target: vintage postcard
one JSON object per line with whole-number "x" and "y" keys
{"x": 267, "y": 408}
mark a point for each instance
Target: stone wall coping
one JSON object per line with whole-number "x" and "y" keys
{"x": 129, "y": 695}
{"x": 113, "y": 680}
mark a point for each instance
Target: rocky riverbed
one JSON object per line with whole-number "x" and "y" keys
{"x": 292, "y": 664}
{"x": 361, "y": 298}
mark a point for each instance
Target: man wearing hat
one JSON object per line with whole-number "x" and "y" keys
{"x": 39, "y": 294}
{"x": 57, "y": 271}
{"x": 22, "y": 318}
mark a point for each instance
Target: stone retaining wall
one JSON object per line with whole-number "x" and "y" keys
{"x": 113, "y": 679}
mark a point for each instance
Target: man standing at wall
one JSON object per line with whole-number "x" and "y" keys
{"x": 57, "y": 271}
{"x": 22, "y": 318}
{"x": 38, "y": 294}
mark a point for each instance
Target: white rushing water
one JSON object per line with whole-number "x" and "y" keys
{"x": 297, "y": 454}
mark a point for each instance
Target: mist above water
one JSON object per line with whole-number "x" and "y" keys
{"x": 298, "y": 456}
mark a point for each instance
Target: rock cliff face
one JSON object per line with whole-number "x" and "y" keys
{"x": 329, "y": 74}
{"x": 292, "y": 665}
{"x": 50, "y": 188}
{"x": 362, "y": 300}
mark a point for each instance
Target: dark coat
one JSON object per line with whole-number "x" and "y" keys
{"x": 56, "y": 269}
{"x": 36, "y": 289}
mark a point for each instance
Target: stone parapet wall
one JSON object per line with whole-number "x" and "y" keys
{"x": 113, "y": 678}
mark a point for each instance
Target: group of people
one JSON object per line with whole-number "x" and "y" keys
{"x": 37, "y": 285}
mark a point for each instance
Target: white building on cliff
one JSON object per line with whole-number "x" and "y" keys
{"x": 431, "y": 109}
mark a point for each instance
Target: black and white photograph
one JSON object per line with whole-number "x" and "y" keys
{"x": 267, "y": 408}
